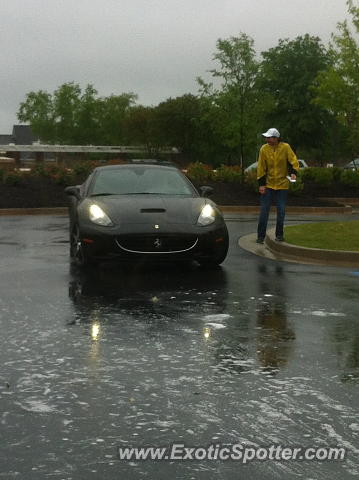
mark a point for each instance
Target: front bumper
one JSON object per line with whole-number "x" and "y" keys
{"x": 179, "y": 242}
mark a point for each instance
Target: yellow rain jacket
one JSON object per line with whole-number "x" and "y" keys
{"x": 273, "y": 167}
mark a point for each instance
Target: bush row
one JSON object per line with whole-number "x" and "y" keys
{"x": 57, "y": 174}
{"x": 199, "y": 173}
{"x": 317, "y": 176}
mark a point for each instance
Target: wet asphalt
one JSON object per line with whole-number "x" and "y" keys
{"x": 257, "y": 352}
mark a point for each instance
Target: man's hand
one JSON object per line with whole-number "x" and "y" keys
{"x": 262, "y": 189}
{"x": 293, "y": 176}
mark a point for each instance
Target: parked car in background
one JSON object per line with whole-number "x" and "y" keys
{"x": 253, "y": 166}
{"x": 353, "y": 165}
{"x": 144, "y": 211}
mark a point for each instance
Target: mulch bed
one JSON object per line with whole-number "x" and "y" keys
{"x": 35, "y": 192}
{"x": 32, "y": 193}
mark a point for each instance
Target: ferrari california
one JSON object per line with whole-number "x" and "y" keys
{"x": 144, "y": 211}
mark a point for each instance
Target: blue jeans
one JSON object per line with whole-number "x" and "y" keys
{"x": 266, "y": 202}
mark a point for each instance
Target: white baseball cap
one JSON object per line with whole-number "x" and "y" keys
{"x": 272, "y": 132}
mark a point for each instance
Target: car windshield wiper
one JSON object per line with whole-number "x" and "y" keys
{"x": 142, "y": 193}
{"x": 104, "y": 194}
{"x": 127, "y": 193}
{"x": 152, "y": 193}
{"x": 135, "y": 193}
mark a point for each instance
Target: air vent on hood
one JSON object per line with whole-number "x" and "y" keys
{"x": 152, "y": 210}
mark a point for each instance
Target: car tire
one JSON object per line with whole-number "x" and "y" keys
{"x": 78, "y": 255}
{"x": 216, "y": 259}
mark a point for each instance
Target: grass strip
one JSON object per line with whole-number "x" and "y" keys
{"x": 325, "y": 235}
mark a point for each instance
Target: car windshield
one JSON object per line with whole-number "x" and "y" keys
{"x": 127, "y": 181}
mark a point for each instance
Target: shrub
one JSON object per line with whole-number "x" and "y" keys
{"x": 12, "y": 178}
{"x": 307, "y": 174}
{"x": 227, "y": 173}
{"x": 116, "y": 161}
{"x": 250, "y": 179}
{"x": 349, "y": 178}
{"x": 327, "y": 177}
{"x": 199, "y": 172}
{"x": 296, "y": 188}
{"x": 38, "y": 170}
{"x": 55, "y": 173}
{"x": 323, "y": 177}
{"x": 337, "y": 173}
{"x": 84, "y": 168}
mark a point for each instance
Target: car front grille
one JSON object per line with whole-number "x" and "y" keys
{"x": 157, "y": 243}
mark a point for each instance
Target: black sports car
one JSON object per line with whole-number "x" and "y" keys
{"x": 144, "y": 211}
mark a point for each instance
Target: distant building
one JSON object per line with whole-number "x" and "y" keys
{"x": 6, "y": 139}
{"x": 21, "y": 135}
{"x": 25, "y": 149}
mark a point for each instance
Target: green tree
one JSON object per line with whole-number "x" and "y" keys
{"x": 86, "y": 122}
{"x": 176, "y": 122}
{"x": 287, "y": 74}
{"x": 140, "y": 128}
{"x": 337, "y": 88}
{"x": 66, "y": 102}
{"x": 55, "y": 118}
{"x": 70, "y": 116}
{"x": 37, "y": 110}
{"x": 233, "y": 108}
{"x": 209, "y": 147}
{"x": 112, "y": 117}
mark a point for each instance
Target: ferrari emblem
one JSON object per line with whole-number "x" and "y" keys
{"x": 157, "y": 243}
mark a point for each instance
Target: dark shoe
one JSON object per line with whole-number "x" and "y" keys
{"x": 279, "y": 239}
{"x": 260, "y": 240}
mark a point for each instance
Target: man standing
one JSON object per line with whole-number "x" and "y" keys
{"x": 276, "y": 162}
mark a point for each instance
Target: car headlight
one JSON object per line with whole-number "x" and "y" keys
{"x": 98, "y": 216}
{"x": 207, "y": 216}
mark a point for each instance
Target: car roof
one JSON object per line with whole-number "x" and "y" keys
{"x": 139, "y": 164}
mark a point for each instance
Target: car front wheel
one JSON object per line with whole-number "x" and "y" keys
{"x": 216, "y": 259}
{"x": 77, "y": 253}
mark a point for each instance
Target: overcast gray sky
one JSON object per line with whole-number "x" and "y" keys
{"x": 154, "y": 48}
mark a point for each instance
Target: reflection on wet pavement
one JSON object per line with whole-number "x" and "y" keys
{"x": 275, "y": 336}
{"x": 255, "y": 352}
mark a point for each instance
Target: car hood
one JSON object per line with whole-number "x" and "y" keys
{"x": 145, "y": 209}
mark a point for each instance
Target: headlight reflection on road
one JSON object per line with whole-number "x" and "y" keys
{"x": 207, "y": 332}
{"x": 95, "y": 348}
{"x": 95, "y": 331}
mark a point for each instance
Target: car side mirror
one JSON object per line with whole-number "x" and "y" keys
{"x": 206, "y": 191}
{"x": 73, "y": 191}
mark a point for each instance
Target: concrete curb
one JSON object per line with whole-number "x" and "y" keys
{"x": 286, "y": 252}
{"x": 34, "y": 211}
{"x": 342, "y": 201}
{"x": 312, "y": 255}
